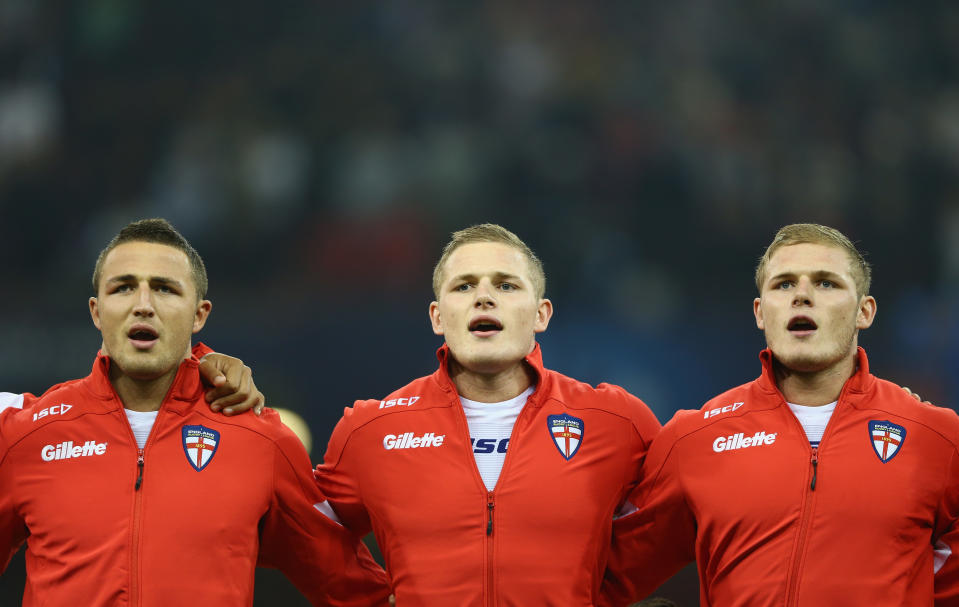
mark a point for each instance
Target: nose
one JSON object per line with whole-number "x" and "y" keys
{"x": 802, "y": 294}
{"x": 144, "y": 304}
{"x": 484, "y": 296}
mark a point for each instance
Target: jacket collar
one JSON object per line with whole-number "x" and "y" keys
{"x": 860, "y": 382}
{"x": 185, "y": 390}
{"x": 534, "y": 359}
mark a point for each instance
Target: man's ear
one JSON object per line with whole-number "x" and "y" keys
{"x": 435, "y": 318}
{"x": 543, "y": 313}
{"x": 867, "y": 312}
{"x": 203, "y": 309}
{"x": 94, "y": 312}
{"x": 758, "y": 313}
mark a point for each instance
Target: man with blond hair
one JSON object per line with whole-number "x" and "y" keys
{"x": 493, "y": 481}
{"x": 815, "y": 484}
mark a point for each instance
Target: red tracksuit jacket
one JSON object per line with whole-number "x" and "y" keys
{"x": 404, "y": 467}
{"x": 180, "y": 523}
{"x": 866, "y": 519}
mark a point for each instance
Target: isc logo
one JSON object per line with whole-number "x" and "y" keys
{"x": 718, "y": 410}
{"x": 54, "y": 410}
{"x": 398, "y": 402}
{"x": 488, "y": 445}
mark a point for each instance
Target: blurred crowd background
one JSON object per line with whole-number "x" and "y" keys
{"x": 319, "y": 154}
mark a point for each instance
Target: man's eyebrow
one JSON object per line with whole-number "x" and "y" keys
{"x": 463, "y": 277}
{"x": 815, "y": 273}
{"x": 467, "y": 276}
{"x": 162, "y": 280}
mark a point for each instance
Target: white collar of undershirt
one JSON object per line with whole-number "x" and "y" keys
{"x": 813, "y": 419}
{"x": 141, "y": 422}
{"x": 492, "y": 412}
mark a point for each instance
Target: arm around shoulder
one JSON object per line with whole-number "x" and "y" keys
{"x": 338, "y": 476}
{"x": 326, "y": 562}
{"x": 657, "y": 539}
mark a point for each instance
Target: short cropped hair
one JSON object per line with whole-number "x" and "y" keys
{"x": 813, "y": 233}
{"x": 158, "y": 231}
{"x": 490, "y": 232}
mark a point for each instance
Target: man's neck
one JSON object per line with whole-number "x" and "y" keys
{"x": 491, "y": 387}
{"x": 814, "y": 388}
{"x": 141, "y": 394}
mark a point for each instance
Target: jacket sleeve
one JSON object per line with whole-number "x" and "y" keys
{"x": 647, "y": 428}
{"x": 946, "y": 540}
{"x": 327, "y": 563}
{"x": 13, "y": 529}
{"x": 338, "y": 480}
{"x": 657, "y": 539}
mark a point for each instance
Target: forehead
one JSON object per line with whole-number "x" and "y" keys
{"x": 146, "y": 259}
{"x": 807, "y": 258}
{"x": 485, "y": 258}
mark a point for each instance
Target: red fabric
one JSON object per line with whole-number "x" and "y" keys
{"x": 429, "y": 508}
{"x": 185, "y": 537}
{"x": 761, "y": 535}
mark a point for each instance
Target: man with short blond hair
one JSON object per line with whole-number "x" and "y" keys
{"x": 493, "y": 481}
{"x": 815, "y": 484}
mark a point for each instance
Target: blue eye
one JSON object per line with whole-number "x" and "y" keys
{"x": 826, "y": 283}
{"x": 507, "y": 286}
{"x": 463, "y": 287}
{"x": 784, "y": 285}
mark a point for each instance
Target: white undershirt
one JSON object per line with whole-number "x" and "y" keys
{"x": 10, "y": 400}
{"x": 490, "y": 426}
{"x": 813, "y": 420}
{"x": 141, "y": 422}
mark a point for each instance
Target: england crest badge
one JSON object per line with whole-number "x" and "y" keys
{"x": 887, "y": 439}
{"x": 199, "y": 444}
{"x": 566, "y": 432}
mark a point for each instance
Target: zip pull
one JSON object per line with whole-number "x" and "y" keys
{"x": 815, "y": 463}
{"x": 139, "y": 469}
{"x": 489, "y": 507}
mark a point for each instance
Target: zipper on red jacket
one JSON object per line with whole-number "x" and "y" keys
{"x": 139, "y": 482}
{"x": 815, "y": 465}
{"x": 792, "y": 582}
{"x": 135, "y": 543}
{"x": 792, "y": 589}
{"x": 490, "y": 494}
{"x": 137, "y": 511}
{"x": 489, "y": 507}
{"x": 489, "y": 550}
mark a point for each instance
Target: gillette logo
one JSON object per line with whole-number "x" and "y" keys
{"x": 67, "y": 450}
{"x": 741, "y": 441}
{"x": 410, "y": 441}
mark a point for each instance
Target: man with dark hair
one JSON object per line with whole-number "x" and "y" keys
{"x": 230, "y": 381}
{"x": 815, "y": 484}
{"x": 493, "y": 481}
{"x": 128, "y": 490}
